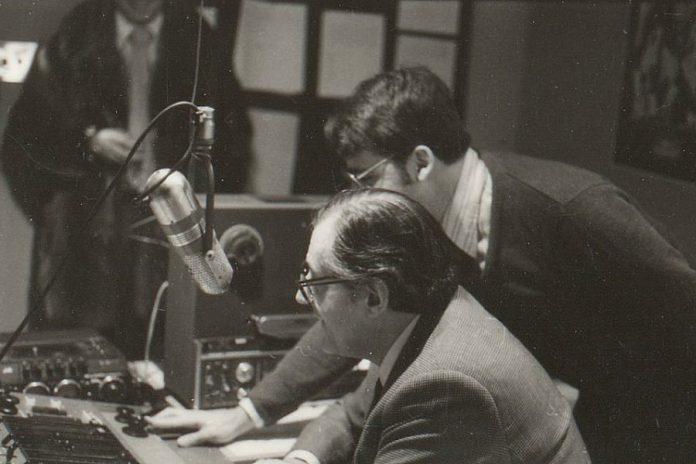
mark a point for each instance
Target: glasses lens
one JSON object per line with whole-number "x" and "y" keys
{"x": 341, "y": 182}
{"x": 306, "y": 294}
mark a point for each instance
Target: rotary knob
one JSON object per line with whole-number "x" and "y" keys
{"x": 37, "y": 388}
{"x": 112, "y": 389}
{"x": 244, "y": 373}
{"x": 68, "y": 388}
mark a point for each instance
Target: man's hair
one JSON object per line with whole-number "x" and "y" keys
{"x": 383, "y": 234}
{"x": 392, "y": 113}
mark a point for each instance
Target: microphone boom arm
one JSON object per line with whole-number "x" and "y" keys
{"x": 204, "y": 138}
{"x": 209, "y": 208}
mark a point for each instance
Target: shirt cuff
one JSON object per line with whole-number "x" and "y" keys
{"x": 304, "y": 456}
{"x": 248, "y": 407}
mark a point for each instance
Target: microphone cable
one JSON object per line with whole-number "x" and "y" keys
{"x": 153, "y": 318}
{"x": 197, "y": 67}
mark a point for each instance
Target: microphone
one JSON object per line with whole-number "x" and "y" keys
{"x": 183, "y": 221}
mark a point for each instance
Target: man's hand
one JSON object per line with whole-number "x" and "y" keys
{"x": 216, "y": 426}
{"x": 280, "y": 461}
{"x": 111, "y": 145}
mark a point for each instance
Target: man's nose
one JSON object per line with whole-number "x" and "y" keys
{"x": 299, "y": 297}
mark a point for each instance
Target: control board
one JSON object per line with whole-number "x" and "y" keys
{"x": 46, "y": 429}
{"x": 70, "y": 363}
{"x": 39, "y": 429}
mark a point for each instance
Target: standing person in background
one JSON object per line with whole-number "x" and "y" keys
{"x": 110, "y": 68}
{"x": 566, "y": 260}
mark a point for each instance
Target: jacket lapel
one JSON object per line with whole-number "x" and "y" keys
{"x": 416, "y": 341}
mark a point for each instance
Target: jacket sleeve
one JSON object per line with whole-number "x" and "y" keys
{"x": 639, "y": 268}
{"x": 333, "y": 436}
{"x": 444, "y": 417}
{"x": 305, "y": 371}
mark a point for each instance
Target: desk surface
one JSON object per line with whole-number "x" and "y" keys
{"x": 59, "y": 420}
{"x": 272, "y": 441}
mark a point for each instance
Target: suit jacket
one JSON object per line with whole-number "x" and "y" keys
{"x": 463, "y": 390}
{"x": 79, "y": 80}
{"x": 593, "y": 289}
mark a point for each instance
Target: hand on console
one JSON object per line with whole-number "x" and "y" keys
{"x": 216, "y": 426}
{"x": 280, "y": 461}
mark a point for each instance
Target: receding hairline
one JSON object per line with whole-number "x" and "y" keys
{"x": 334, "y": 216}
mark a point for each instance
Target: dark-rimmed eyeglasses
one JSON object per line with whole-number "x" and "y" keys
{"x": 306, "y": 285}
{"x": 358, "y": 180}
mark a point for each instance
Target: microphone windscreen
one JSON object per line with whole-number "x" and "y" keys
{"x": 212, "y": 271}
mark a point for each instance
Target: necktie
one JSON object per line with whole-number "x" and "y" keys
{"x": 143, "y": 163}
{"x": 377, "y": 395}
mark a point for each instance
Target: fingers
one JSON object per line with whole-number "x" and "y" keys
{"x": 199, "y": 427}
{"x": 170, "y": 412}
{"x": 119, "y": 143}
{"x": 171, "y": 418}
{"x": 206, "y": 435}
{"x": 111, "y": 145}
{"x": 193, "y": 439}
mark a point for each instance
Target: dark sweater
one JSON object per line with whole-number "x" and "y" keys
{"x": 592, "y": 289}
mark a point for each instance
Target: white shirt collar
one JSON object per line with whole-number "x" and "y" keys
{"x": 125, "y": 27}
{"x": 392, "y": 355}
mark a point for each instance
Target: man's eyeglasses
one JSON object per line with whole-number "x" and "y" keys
{"x": 306, "y": 285}
{"x": 359, "y": 180}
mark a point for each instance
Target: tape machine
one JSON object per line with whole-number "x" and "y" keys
{"x": 70, "y": 363}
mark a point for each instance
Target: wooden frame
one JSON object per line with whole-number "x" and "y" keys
{"x": 657, "y": 125}
{"x": 314, "y": 171}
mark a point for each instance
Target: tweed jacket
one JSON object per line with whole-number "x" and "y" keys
{"x": 463, "y": 390}
{"x": 593, "y": 289}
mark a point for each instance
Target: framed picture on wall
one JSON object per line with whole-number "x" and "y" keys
{"x": 657, "y": 125}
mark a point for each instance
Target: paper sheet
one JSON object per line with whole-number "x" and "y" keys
{"x": 250, "y": 450}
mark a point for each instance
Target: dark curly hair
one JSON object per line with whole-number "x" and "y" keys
{"x": 392, "y": 113}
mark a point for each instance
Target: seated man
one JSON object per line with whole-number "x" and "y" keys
{"x": 448, "y": 382}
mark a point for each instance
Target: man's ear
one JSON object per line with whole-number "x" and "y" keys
{"x": 377, "y": 297}
{"x": 424, "y": 159}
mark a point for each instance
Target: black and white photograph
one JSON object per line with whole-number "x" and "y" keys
{"x": 347, "y": 231}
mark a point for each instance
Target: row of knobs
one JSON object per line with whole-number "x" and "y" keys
{"x": 244, "y": 374}
{"x": 109, "y": 389}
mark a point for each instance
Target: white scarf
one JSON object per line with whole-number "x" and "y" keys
{"x": 467, "y": 218}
